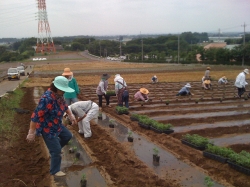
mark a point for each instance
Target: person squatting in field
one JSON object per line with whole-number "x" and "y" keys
{"x": 46, "y": 121}
{"x": 142, "y": 95}
{"x": 84, "y": 112}
{"x": 185, "y": 90}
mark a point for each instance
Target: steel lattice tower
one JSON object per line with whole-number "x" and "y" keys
{"x": 44, "y": 40}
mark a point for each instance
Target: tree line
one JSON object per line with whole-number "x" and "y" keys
{"x": 166, "y": 48}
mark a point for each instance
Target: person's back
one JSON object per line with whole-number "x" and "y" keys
{"x": 222, "y": 80}
{"x": 154, "y": 79}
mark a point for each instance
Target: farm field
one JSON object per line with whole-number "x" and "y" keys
{"x": 219, "y": 116}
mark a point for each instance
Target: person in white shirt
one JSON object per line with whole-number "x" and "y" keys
{"x": 222, "y": 80}
{"x": 121, "y": 91}
{"x": 241, "y": 83}
{"x": 84, "y": 111}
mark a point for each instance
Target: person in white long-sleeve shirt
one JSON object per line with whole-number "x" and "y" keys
{"x": 241, "y": 83}
{"x": 84, "y": 111}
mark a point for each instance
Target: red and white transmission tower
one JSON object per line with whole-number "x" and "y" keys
{"x": 44, "y": 40}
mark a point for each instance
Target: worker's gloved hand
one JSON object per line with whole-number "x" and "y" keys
{"x": 73, "y": 119}
{"x": 31, "y": 135}
{"x": 146, "y": 101}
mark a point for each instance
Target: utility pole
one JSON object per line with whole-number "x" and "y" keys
{"x": 120, "y": 48}
{"x": 100, "y": 49}
{"x": 178, "y": 48}
{"x": 243, "y": 57}
{"x": 141, "y": 48}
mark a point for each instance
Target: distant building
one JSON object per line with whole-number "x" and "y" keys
{"x": 215, "y": 45}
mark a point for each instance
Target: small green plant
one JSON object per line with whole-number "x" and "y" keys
{"x": 196, "y": 140}
{"x": 242, "y": 158}
{"x": 74, "y": 148}
{"x": 221, "y": 151}
{"x": 110, "y": 92}
{"x": 75, "y": 160}
{"x": 70, "y": 142}
{"x": 130, "y": 134}
{"x": 121, "y": 109}
{"x": 156, "y": 151}
{"x": 83, "y": 177}
{"x": 111, "y": 121}
{"x": 147, "y": 121}
{"x": 197, "y": 101}
{"x": 167, "y": 102}
{"x": 208, "y": 181}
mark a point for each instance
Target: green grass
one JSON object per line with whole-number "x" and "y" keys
{"x": 8, "y": 131}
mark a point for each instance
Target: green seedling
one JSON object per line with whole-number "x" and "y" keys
{"x": 83, "y": 177}
{"x": 111, "y": 121}
{"x": 75, "y": 160}
{"x": 156, "y": 151}
{"x": 74, "y": 148}
{"x": 70, "y": 142}
{"x": 208, "y": 181}
{"x": 130, "y": 134}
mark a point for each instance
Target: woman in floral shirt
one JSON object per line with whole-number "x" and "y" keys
{"x": 46, "y": 120}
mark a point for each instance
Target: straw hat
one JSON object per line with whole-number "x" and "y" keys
{"x": 144, "y": 91}
{"x": 62, "y": 84}
{"x": 208, "y": 68}
{"x": 224, "y": 77}
{"x": 67, "y": 72}
{"x": 155, "y": 76}
{"x": 105, "y": 76}
{"x": 188, "y": 85}
{"x": 246, "y": 71}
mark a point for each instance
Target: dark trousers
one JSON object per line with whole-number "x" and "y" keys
{"x": 125, "y": 100}
{"x": 241, "y": 91}
{"x": 100, "y": 100}
{"x": 182, "y": 93}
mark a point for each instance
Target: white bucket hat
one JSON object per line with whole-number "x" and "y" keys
{"x": 188, "y": 85}
{"x": 62, "y": 84}
{"x": 246, "y": 71}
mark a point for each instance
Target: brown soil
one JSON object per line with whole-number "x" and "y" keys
{"x": 28, "y": 164}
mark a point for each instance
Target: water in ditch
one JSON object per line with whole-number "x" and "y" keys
{"x": 169, "y": 166}
{"x": 81, "y": 165}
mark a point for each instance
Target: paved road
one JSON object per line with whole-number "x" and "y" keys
{"x": 7, "y": 85}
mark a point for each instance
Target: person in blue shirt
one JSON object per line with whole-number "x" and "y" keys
{"x": 71, "y": 97}
{"x": 154, "y": 79}
{"x": 185, "y": 90}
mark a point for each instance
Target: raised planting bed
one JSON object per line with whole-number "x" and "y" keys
{"x": 121, "y": 110}
{"x": 239, "y": 168}
{"x": 240, "y": 162}
{"x": 215, "y": 157}
{"x": 161, "y": 127}
{"x": 218, "y": 153}
{"x": 143, "y": 125}
{"x": 202, "y": 148}
{"x": 195, "y": 141}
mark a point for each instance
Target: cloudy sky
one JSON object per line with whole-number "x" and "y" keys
{"x": 124, "y": 17}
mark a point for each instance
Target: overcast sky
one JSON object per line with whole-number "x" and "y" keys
{"x": 124, "y": 17}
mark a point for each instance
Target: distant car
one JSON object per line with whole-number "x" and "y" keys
{"x": 21, "y": 70}
{"x": 13, "y": 73}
